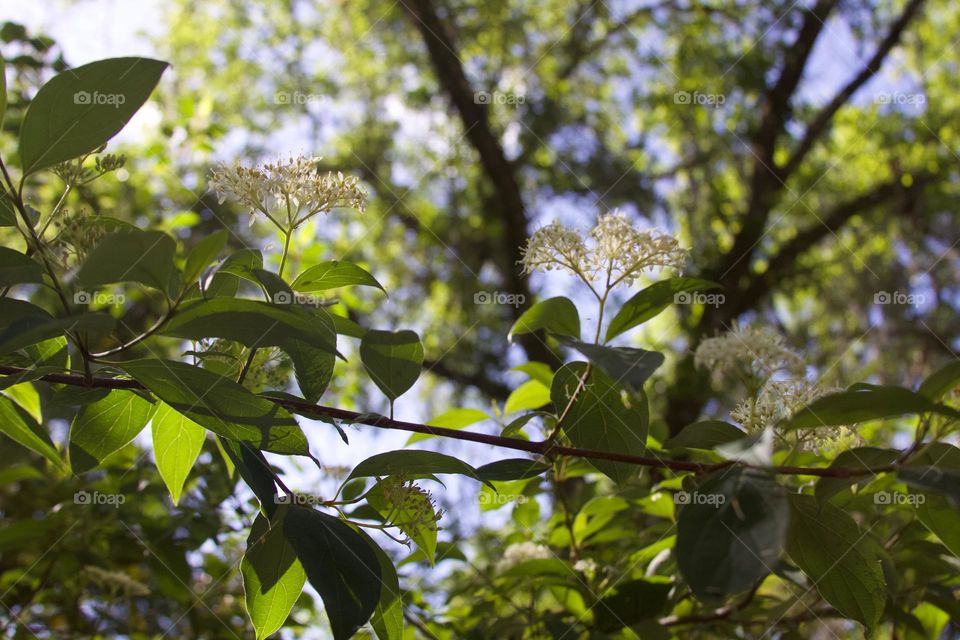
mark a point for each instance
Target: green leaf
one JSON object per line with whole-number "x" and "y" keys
{"x": 601, "y": 416}
{"x": 255, "y": 471}
{"x": 3, "y": 88}
{"x": 17, "y": 268}
{"x": 941, "y": 382}
{"x": 841, "y": 561}
{"x": 340, "y": 565}
{"x": 411, "y": 464}
{"x": 864, "y": 404}
{"x": 532, "y": 394}
{"x": 253, "y": 324}
{"x": 333, "y": 275}
{"x": 312, "y": 367}
{"x": 404, "y": 515}
{"x": 23, "y": 324}
{"x": 177, "y": 441}
{"x": 220, "y": 405}
{"x": 631, "y": 602}
{"x": 626, "y": 365}
{"x": 146, "y": 257}
{"x": 20, "y": 427}
{"x": 941, "y": 519}
{"x": 82, "y": 108}
{"x": 387, "y": 619}
{"x": 937, "y": 479}
{"x": 705, "y": 434}
{"x": 536, "y": 371}
{"x": 240, "y": 264}
{"x": 273, "y": 578}
{"x": 511, "y": 469}
{"x": 731, "y": 531}
{"x": 203, "y": 254}
{"x": 452, "y": 419}
{"x": 106, "y": 426}
{"x": 558, "y": 316}
{"x": 856, "y": 458}
{"x": 392, "y": 360}
{"x": 649, "y": 302}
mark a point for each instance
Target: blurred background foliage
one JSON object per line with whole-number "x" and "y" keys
{"x": 827, "y": 177}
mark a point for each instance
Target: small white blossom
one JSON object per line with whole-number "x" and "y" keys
{"x": 522, "y": 552}
{"x": 587, "y": 566}
{"x": 613, "y": 249}
{"x": 294, "y": 185}
{"x": 752, "y": 353}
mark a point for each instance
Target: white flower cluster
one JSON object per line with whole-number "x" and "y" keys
{"x": 614, "y": 249}
{"x": 115, "y": 582}
{"x": 751, "y": 353}
{"x": 295, "y": 185}
{"x": 755, "y": 354}
{"x": 522, "y": 552}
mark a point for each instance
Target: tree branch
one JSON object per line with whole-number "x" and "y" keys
{"x": 544, "y": 448}
{"x": 826, "y": 114}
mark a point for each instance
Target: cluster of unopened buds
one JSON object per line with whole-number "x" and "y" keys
{"x": 76, "y": 172}
{"x": 115, "y": 582}
{"x": 411, "y": 505}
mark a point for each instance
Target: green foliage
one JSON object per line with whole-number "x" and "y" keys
{"x": 212, "y": 339}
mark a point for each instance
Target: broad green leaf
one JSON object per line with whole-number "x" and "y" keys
{"x": 536, "y": 371}
{"x": 627, "y": 366}
{"x": 203, "y": 254}
{"x": 941, "y": 519}
{"x": 312, "y": 367}
{"x": 17, "y": 268}
{"x": 255, "y": 471}
{"x": 340, "y": 565}
{"x": 106, "y": 426}
{"x": 253, "y": 324}
{"x": 730, "y": 531}
{"x": 842, "y": 562}
{"x": 25, "y": 395}
{"x": 347, "y": 327}
{"x": 452, "y": 419}
{"x": 387, "y": 619}
{"x": 532, "y": 394}
{"x": 407, "y": 515}
{"x": 332, "y": 275}
{"x": 649, "y": 302}
{"x": 146, "y": 257}
{"x": 8, "y": 212}
{"x": 511, "y": 469}
{"x": 3, "y": 88}
{"x": 864, "y": 404}
{"x": 240, "y": 264}
{"x": 934, "y": 478}
{"x": 941, "y": 382}
{"x": 20, "y": 427}
{"x": 177, "y": 441}
{"x": 558, "y": 316}
{"x": 82, "y": 108}
{"x": 856, "y": 458}
{"x": 392, "y": 360}
{"x": 601, "y": 416}
{"x": 23, "y": 324}
{"x": 630, "y": 602}
{"x": 220, "y": 405}
{"x": 411, "y": 464}
{"x": 273, "y": 578}
{"x": 705, "y": 434}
